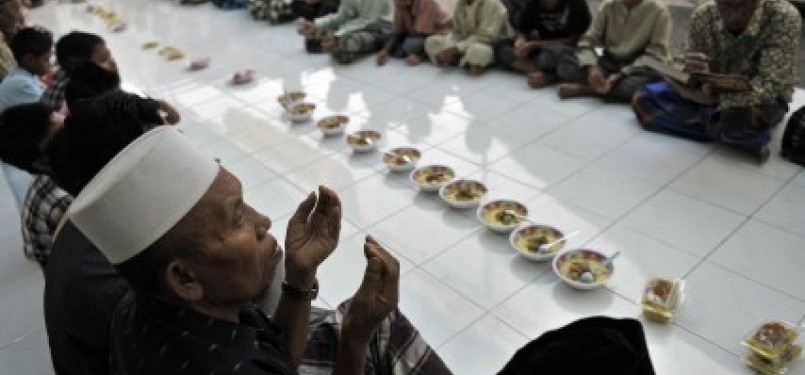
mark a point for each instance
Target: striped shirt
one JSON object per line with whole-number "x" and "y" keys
{"x": 44, "y": 206}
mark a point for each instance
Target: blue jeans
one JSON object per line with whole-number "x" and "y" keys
{"x": 412, "y": 45}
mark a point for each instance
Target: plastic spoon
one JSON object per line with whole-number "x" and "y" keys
{"x": 608, "y": 261}
{"x": 547, "y": 247}
{"x": 518, "y": 215}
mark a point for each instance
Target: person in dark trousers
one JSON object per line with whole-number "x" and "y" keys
{"x": 547, "y": 31}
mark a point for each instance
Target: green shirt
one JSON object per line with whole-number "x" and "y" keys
{"x": 356, "y": 15}
{"x": 7, "y": 62}
{"x": 633, "y": 36}
{"x": 483, "y": 21}
{"x": 766, "y": 52}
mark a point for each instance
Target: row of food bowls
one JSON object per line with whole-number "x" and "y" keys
{"x": 297, "y": 110}
{"x": 580, "y": 268}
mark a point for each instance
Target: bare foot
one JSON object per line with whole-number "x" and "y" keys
{"x": 446, "y": 57}
{"x": 413, "y": 60}
{"x": 476, "y": 70}
{"x": 539, "y": 80}
{"x": 573, "y": 90}
{"x": 763, "y": 154}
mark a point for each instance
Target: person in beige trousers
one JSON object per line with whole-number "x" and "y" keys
{"x": 477, "y": 25}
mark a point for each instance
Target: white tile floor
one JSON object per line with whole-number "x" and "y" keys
{"x": 733, "y": 229}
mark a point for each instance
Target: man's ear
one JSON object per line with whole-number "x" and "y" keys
{"x": 181, "y": 280}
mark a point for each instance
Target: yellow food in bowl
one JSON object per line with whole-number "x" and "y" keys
{"x": 333, "y": 122}
{"x": 301, "y": 109}
{"x": 294, "y": 97}
{"x": 502, "y": 215}
{"x": 401, "y": 157}
{"x": 363, "y": 138}
{"x": 433, "y": 176}
{"x": 465, "y": 192}
{"x": 584, "y": 267}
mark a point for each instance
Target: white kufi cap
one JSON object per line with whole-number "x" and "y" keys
{"x": 142, "y": 193}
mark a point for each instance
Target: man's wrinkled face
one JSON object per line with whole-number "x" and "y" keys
{"x": 239, "y": 255}
{"x": 736, "y": 14}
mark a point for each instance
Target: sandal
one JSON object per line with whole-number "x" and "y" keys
{"x": 243, "y": 77}
{"x": 199, "y": 63}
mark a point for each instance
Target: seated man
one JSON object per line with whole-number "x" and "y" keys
{"x": 477, "y": 24}
{"x": 71, "y": 50}
{"x": 546, "y": 30}
{"x": 414, "y": 20}
{"x": 32, "y": 48}
{"x": 633, "y": 34}
{"x": 754, "y": 38}
{"x": 26, "y": 131}
{"x": 81, "y": 288}
{"x": 196, "y": 255}
{"x": 357, "y": 28}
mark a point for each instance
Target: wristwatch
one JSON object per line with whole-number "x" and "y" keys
{"x": 301, "y": 294}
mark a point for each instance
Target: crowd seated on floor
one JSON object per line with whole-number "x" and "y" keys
{"x": 148, "y": 277}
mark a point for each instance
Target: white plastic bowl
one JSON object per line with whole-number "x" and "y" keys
{"x": 537, "y": 255}
{"x": 499, "y": 205}
{"x": 565, "y": 256}
{"x": 339, "y": 123}
{"x": 372, "y": 136}
{"x": 391, "y": 155}
{"x": 431, "y": 187}
{"x": 303, "y": 116}
{"x": 467, "y": 184}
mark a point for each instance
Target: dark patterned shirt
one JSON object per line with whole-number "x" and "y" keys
{"x": 569, "y": 18}
{"x": 766, "y": 52}
{"x": 53, "y": 96}
{"x": 44, "y": 206}
{"x": 150, "y": 336}
{"x": 82, "y": 290}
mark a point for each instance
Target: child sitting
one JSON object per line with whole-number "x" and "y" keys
{"x": 72, "y": 50}
{"x": 414, "y": 20}
{"x": 32, "y": 48}
{"x": 90, "y": 80}
{"x": 25, "y": 132}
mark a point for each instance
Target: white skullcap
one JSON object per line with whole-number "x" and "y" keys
{"x": 142, "y": 193}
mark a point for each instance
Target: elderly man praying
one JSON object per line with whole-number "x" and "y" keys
{"x": 175, "y": 225}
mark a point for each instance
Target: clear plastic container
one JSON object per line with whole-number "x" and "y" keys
{"x": 772, "y": 340}
{"x": 661, "y": 298}
{"x": 779, "y": 367}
